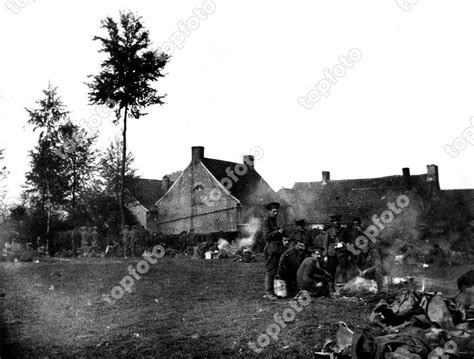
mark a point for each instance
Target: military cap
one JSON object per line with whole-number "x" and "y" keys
{"x": 301, "y": 222}
{"x": 314, "y": 249}
{"x": 335, "y": 218}
{"x": 273, "y": 205}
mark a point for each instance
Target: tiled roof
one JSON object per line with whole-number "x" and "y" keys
{"x": 249, "y": 189}
{"x": 146, "y": 191}
{"x": 316, "y": 201}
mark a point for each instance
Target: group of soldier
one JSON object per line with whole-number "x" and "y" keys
{"x": 130, "y": 238}
{"x": 310, "y": 264}
{"x": 82, "y": 241}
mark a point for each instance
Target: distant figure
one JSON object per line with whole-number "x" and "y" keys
{"x": 302, "y": 234}
{"x": 290, "y": 261}
{"x": 125, "y": 240}
{"x": 311, "y": 277}
{"x": 113, "y": 249}
{"x": 83, "y": 233}
{"x": 85, "y": 248}
{"x": 353, "y": 232}
{"x": 132, "y": 238}
{"x": 95, "y": 237}
{"x": 274, "y": 247}
{"x": 181, "y": 242}
{"x": 335, "y": 252}
{"x": 201, "y": 249}
{"x": 436, "y": 256}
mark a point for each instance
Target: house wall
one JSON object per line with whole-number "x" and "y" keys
{"x": 140, "y": 213}
{"x": 189, "y": 204}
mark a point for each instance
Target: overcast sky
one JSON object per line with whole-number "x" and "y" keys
{"x": 234, "y": 84}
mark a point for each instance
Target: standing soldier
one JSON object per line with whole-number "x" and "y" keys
{"x": 84, "y": 251}
{"x": 274, "y": 247}
{"x": 83, "y": 233}
{"x": 95, "y": 237}
{"x": 125, "y": 240}
{"x": 132, "y": 238}
{"x": 353, "y": 232}
{"x": 302, "y": 234}
{"x": 335, "y": 252}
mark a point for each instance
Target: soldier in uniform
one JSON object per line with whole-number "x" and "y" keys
{"x": 335, "y": 252}
{"x": 274, "y": 247}
{"x": 355, "y": 231}
{"x": 311, "y": 277}
{"x": 132, "y": 238}
{"x": 95, "y": 237}
{"x": 376, "y": 267}
{"x": 84, "y": 241}
{"x": 302, "y": 234}
{"x": 290, "y": 261}
{"x": 125, "y": 240}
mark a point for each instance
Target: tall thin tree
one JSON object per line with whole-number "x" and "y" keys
{"x": 126, "y": 75}
{"x": 45, "y": 179}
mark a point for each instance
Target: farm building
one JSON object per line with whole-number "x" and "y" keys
{"x": 142, "y": 194}
{"x": 213, "y": 195}
{"x": 431, "y": 210}
{"x": 318, "y": 200}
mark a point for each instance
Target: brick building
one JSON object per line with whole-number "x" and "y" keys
{"x": 213, "y": 195}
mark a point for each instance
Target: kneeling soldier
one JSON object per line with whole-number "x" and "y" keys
{"x": 290, "y": 261}
{"x": 311, "y": 277}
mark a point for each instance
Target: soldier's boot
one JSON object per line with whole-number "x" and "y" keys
{"x": 269, "y": 291}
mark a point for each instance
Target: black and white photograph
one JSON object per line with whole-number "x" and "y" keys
{"x": 223, "y": 179}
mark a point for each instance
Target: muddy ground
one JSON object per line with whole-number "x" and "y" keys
{"x": 179, "y": 308}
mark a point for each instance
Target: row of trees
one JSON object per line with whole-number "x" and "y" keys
{"x": 70, "y": 182}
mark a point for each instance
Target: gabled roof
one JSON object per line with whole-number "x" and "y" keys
{"x": 146, "y": 191}
{"x": 316, "y": 201}
{"x": 250, "y": 188}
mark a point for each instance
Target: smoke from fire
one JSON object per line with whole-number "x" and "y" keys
{"x": 242, "y": 243}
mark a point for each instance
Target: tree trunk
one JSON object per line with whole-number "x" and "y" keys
{"x": 74, "y": 185}
{"x": 48, "y": 217}
{"x": 124, "y": 159}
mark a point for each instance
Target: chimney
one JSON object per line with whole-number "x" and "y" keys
{"x": 432, "y": 173}
{"x": 432, "y": 177}
{"x": 165, "y": 183}
{"x": 197, "y": 153}
{"x": 249, "y": 160}
{"x": 326, "y": 177}
{"x": 406, "y": 177}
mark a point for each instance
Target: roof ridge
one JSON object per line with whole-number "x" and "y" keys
{"x": 358, "y": 179}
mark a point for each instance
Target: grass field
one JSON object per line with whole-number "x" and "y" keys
{"x": 179, "y": 308}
